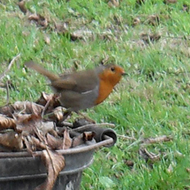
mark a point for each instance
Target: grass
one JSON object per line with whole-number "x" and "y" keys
{"x": 153, "y": 100}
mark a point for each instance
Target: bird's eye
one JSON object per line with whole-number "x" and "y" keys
{"x": 112, "y": 69}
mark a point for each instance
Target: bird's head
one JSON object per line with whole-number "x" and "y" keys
{"x": 112, "y": 73}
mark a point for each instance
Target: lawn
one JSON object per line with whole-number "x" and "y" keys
{"x": 150, "y": 108}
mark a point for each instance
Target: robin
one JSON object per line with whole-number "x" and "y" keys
{"x": 82, "y": 89}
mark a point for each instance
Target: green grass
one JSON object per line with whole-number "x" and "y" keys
{"x": 153, "y": 100}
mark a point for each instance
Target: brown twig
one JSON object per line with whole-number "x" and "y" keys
{"x": 8, "y": 96}
{"x": 159, "y": 139}
{"x": 126, "y": 137}
{"x": 148, "y": 155}
{"x": 45, "y": 108}
{"x": 9, "y": 66}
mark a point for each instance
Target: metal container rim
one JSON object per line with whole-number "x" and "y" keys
{"x": 85, "y": 148}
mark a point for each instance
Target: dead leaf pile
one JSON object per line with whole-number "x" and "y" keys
{"x": 29, "y": 126}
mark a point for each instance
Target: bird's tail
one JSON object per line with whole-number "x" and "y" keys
{"x": 42, "y": 70}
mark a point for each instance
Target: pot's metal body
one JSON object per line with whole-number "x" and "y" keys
{"x": 21, "y": 171}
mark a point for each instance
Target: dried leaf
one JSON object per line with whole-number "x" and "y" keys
{"x": 154, "y": 20}
{"x": 25, "y": 107}
{"x": 19, "y": 117}
{"x": 22, "y": 6}
{"x": 129, "y": 163}
{"x": 51, "y": 99}
{"x": 81, "y": 34}
{"x": 47, "y": 39}
{"x": 6, "y": 123}
{"x": 58, "y": 115}
{"x": 188, "y": 170}
{"x": 67, "y": 141}
{"x": 113, "y": 3}
{"x": 47, "y": 127}
{"x": 61, "y": 28}
{"x": 78, "y": 140}
{"x": 150, "y": 37}
{"x": 136, "y": 21}
{"x": 171, "y": 167}
{"x": 44, "y": 98}
{"x": 12, "y": 140}
{"x": 170, "y": 1}
{"x": 54, "y": 163}
{"x": 37, "y": 143}
{"x": 88, "y": 135}
{"x": 40, "y": 135}
{"x": 34, "y": 17}
{"x": 7, "y": 110}
{"x": 41, "y": 20}
{"x": 54, "y": 143}
{"x": 27, "y": 123}
{"x": 28, "y": 143}
{"x": 148, "y": 156}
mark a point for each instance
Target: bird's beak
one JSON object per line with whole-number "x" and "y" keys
{"x": 123, "y": 73}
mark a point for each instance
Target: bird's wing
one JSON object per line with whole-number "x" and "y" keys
{"x": 86, "y": 81}
{"x": 78, "y": 82}
{"x": 64, "y": 84}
